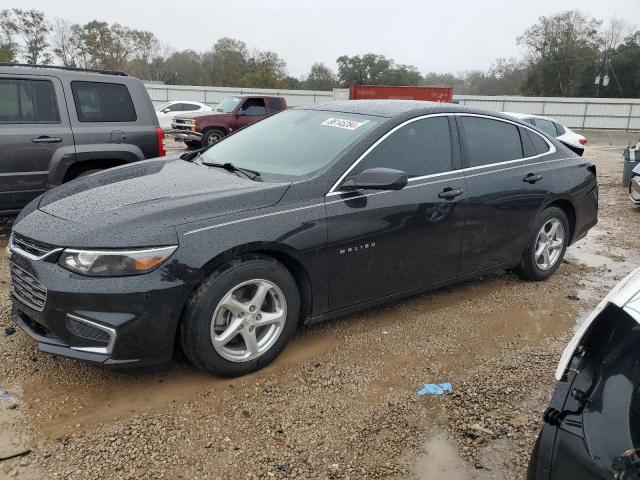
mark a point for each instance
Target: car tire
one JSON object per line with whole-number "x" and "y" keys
{"x": 546, "y": 246}
{"x": 212, "y": 137}
{"x": 209, "y": 321}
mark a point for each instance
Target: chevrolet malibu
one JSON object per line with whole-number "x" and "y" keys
{"x": 306, "y": 215}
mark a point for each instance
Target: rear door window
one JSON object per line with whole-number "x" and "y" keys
{"x": 28, "y": 101}
{"x": 491, "y": 141}
{"x": 419, "y": 148}
{"x": 103, "y": 102}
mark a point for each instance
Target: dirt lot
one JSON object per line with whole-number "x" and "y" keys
{"x": 341, "y": 401}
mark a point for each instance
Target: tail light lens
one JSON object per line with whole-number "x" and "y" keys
{"x": 160, "y": 136}
{"x": 583, "y": 141}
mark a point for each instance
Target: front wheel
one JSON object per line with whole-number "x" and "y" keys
{"x": 212, "y": 137}
{"x": 546, "y": 247}
{"x": 241, "y": 317}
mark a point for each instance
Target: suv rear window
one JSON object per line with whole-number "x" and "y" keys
{"x": 27, "y": 101}
{"x": 103, "y": 102}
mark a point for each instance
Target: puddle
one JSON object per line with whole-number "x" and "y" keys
{"x": 13, "y": 439}
{"x": 60, "y": 408}
{"x": 440, "y": 460}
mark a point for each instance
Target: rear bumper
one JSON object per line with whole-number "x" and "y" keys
{"x": 586, "y": 210}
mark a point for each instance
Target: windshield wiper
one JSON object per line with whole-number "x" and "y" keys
{"x": 251, "y": 174}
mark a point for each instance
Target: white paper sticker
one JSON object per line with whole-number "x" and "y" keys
{"x": 342, "y": 123}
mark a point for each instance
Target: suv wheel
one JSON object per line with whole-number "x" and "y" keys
{"x": 211, "y": 137}
{"x": 546, "y": 247}
{"x": 241, "y": 317}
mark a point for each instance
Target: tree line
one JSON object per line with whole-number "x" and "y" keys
{"x": 567, "y": 54}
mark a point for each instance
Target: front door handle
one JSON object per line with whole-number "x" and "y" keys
{"x": 532, "y": 178}
{"x": 46, "y": 139}
{"x": 450, "y": 193}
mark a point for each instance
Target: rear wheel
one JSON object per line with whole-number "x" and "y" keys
{"x": 546, "y": 247}
{"x": 241, "y": 317}
{"x": 212, "y": 137}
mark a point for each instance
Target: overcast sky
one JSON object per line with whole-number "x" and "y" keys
{"x": 440, "y": 36}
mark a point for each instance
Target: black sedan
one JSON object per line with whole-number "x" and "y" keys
{"x": 306, "y": 215}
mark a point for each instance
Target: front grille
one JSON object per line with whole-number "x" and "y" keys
{"x": 28, "y": 245}
{"x": 84, "y": 330}
{"x": 26, "y": 288}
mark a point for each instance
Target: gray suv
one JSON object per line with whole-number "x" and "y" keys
{"x": 60, "y": 123}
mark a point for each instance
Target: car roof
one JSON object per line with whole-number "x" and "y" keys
{"x": 55, "y": 70}
{"x": 394, "y": 108}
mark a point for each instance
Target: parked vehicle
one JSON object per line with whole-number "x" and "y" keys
{"x": 230, "y": 115}
{"x": 571, "y": 139}
{"x": 634, "y": 185}
{"x": 167, "y": 111}
{"x": 380, "y": 92}
{"x": 592, "y": 426}
{"x": 59, "y": 123}
{"x": 306, "y": 215}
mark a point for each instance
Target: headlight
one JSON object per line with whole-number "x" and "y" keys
{"x": 114, "y": 263}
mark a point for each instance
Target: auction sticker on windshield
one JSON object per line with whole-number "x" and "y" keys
{"x": 342, "y": 123}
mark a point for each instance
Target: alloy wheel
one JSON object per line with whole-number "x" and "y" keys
{"x": 248, "y": 320}
{"x": 549, "y": 244}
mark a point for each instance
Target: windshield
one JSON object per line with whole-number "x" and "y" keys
{"x": 293, "y": 143}
{"x": 228, "y": 105}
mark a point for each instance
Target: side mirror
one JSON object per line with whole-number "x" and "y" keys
{"x": 377, "y": 179}
{"x": 166, "y": 110}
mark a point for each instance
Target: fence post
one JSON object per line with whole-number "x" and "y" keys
{"x": 629, "y": 119}
{"x": 584, "y": 114}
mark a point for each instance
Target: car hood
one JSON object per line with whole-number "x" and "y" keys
{"x": 133, "y": 204}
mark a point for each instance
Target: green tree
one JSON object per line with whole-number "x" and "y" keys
{"x": 34, "y": 29}
{"x": 183, "y": 68}
{"x": 320, "y": 77}
{"x": 226, "y": 64}
{"x": 562, "y": 54}
{"x": 372, "y": 69}
{"x": 9, "y": 47}
{"x": 625, "y": 68}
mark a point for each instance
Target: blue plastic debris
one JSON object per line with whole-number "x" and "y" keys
{"x": 5, "y": 396}
{"x": 435, "y": 389}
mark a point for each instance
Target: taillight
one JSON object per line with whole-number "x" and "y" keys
{"x": 583, "y": 141}
{"x": 160, "y": 136}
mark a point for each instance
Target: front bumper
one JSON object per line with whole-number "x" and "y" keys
{"x": 634, "y": 189}
{"x": 111, "y": 321}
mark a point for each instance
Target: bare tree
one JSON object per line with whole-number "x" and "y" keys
{"x": 63, "y": 43}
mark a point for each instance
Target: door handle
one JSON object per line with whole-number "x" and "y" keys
{"x": 46, "y": 139}
{"x": 532, "y": 178}
{"x": 450, "y": 193}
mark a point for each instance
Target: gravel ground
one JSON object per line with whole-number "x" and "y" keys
{"x": 341, "y": 401}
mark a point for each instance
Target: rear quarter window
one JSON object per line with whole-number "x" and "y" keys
{"x": 103, "y": 102}
{"x": 539, "y": 145}
{"x": 275, "y": 104}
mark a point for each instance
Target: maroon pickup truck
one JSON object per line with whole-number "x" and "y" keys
{"x": 229, "y": 115}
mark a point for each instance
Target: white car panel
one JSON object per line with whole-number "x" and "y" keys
{"x": 178, "y": 107}
{"x": 625, "y": 295}
{"x": 569, "y": 136}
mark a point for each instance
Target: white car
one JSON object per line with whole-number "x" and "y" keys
{"x": 573, "y": 140}
{"x": 168, "y": 110}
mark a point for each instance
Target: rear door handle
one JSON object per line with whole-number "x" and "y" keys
{"x": 532, "y": 178}
{"x": 450, "y": 193}
{"x": 46, "y": 139}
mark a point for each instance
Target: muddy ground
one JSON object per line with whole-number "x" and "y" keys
{"x": 341, "y": 400}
